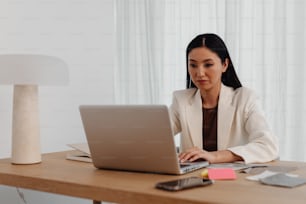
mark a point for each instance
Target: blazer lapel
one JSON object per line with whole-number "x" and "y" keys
{"x": 225, "y": 116}
{"x": 194, "y": 119}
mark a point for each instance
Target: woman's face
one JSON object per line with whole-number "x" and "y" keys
{"x": 205, "y": 68}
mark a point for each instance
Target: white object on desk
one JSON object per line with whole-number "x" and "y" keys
{"x": 82, "y": 153}
{"x": 26, "y": 72}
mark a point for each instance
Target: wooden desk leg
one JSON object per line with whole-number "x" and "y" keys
{"x": 96, "y": 202}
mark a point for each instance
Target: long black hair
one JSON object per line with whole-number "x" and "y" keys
{"x": 214, "y": 43}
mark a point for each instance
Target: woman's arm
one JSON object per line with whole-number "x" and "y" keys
{"x": 220, "y": 156}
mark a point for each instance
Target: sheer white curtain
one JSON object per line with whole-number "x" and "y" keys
{"x": 139, "y": 60}
{"x": 266, "y": 40}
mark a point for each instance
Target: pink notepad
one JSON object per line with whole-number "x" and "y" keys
{"x": 221, "y": 174}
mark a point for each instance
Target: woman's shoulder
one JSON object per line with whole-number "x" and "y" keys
{"x": 242, "y": 94}
{"x": 185, "y": 93}
{"x": 245, "y": 91}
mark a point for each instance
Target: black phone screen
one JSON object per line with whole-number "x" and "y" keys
{"x": 184, "y": 183}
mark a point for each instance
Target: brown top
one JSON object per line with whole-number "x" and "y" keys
{"x": 210, "y": 129}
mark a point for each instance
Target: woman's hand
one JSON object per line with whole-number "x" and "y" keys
{"x": 220, "y": 156}
{"x": 196, "y": 153}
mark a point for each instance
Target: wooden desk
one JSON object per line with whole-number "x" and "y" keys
{"x": 58, "y": 175}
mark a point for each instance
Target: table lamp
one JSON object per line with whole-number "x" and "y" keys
{"x": 26, "y": 72}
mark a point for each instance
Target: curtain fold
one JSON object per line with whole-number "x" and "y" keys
{"x": 266, "y": 40}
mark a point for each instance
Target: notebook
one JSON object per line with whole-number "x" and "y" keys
{"x": 133, "y": 138}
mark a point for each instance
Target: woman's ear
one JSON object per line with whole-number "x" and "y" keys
{"x": 225, "y": 65}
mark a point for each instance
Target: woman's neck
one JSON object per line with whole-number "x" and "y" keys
{"x": 210, "y": 97}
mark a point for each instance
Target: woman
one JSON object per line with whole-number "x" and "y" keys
{"x": 219, "y": 120}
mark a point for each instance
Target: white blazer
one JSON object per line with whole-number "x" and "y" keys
{"x": 242, "y": 127}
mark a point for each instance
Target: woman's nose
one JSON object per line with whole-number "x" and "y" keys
{"x": 201, "y": 71}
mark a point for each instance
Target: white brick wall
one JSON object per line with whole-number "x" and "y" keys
{"x": 81, "y": 32}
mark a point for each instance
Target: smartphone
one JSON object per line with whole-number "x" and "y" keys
{"x": 185, "y": 183}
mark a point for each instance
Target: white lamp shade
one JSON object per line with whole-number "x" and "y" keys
{"x": 32, "y": 69}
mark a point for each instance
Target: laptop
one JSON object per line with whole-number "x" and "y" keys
{"x": 133, "y": 138}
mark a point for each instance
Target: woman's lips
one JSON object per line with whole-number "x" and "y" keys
{"x": 202, "y": 81}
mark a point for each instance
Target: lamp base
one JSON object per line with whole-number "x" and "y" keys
{"x": 25, "y": 127}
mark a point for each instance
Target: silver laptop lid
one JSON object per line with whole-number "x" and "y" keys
{"x": 130, "y": 137}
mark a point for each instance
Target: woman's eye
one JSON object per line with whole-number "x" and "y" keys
{"x": 193, "y": 65}
{"x": 208, "y": 65}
